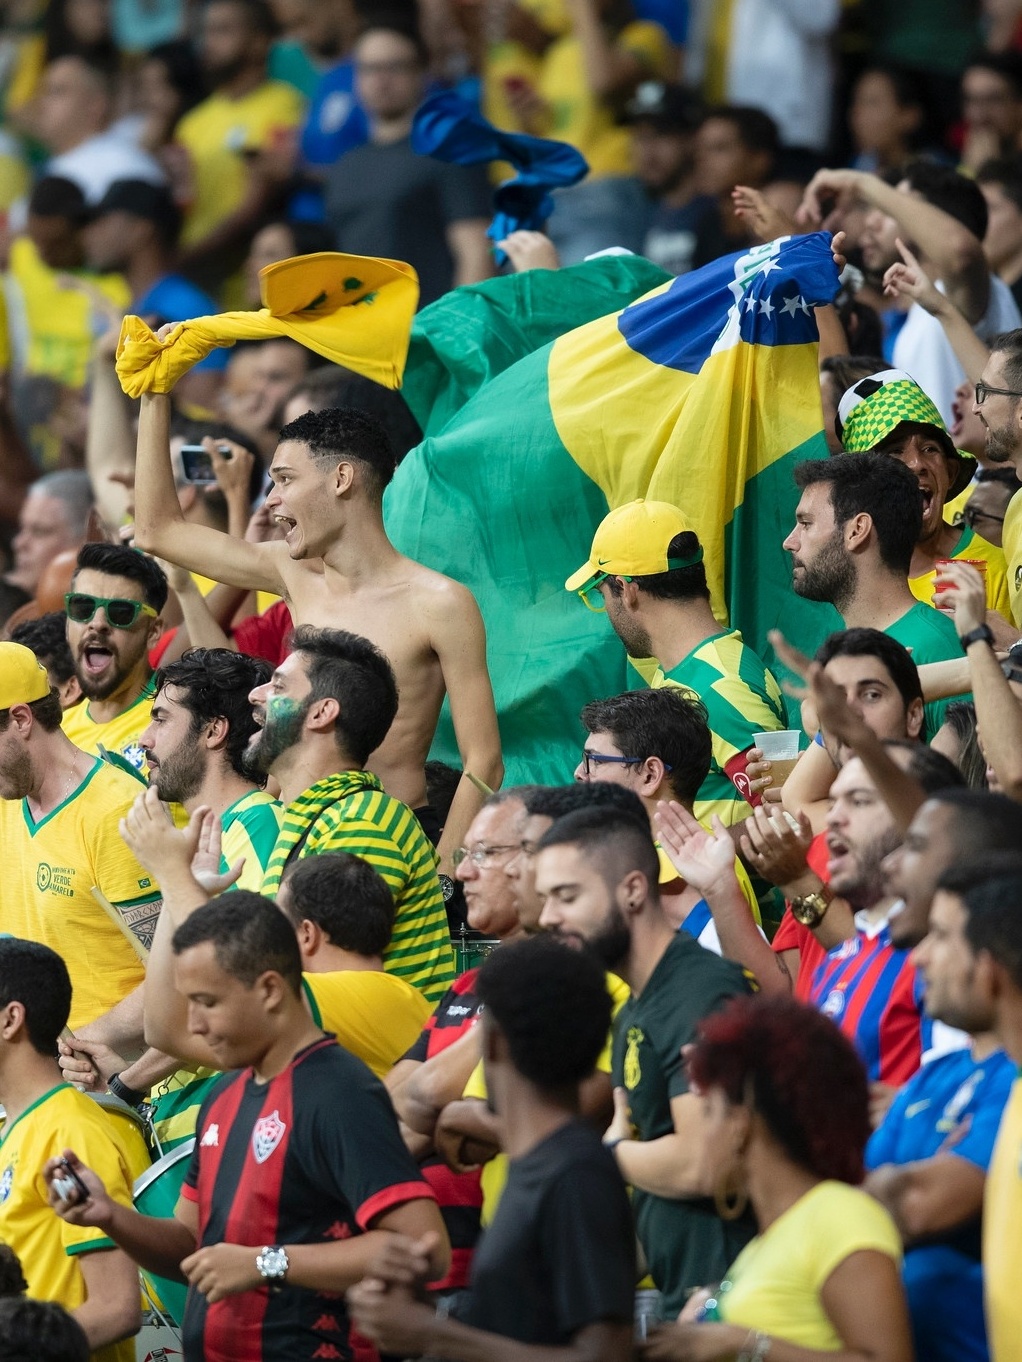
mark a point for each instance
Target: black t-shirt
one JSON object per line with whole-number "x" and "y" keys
{"x": 685, "y": 1242}
{"x": 312, "y": 1156}
{"x": 683, "y": 239}
{"x": 384, "y": 199}
{"x": 560, "y": 1253}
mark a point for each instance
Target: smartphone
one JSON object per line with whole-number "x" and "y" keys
{"x": 196, "y": 463}
{"x": 69, "y": 1186}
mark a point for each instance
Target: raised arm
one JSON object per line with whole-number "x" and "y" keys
{"x": 909, "y": 280}
{"x": 459, "y": 641}
{"x": 160, "y": 526}
{"x": 955, "y": 254}
{"x": 109, "y": 449}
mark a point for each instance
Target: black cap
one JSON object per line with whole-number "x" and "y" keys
{"x": 671, "y": 108}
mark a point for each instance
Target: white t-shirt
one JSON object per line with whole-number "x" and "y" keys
{"x": 95, "y": 164}
{"x": 923, "y": 350}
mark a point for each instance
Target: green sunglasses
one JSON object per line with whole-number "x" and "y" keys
{"x": 120, "y": 613}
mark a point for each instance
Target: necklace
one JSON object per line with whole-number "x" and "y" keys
{"x": 70, "y": 780}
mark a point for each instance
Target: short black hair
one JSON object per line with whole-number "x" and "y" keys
{"x": 1005, "y": 171}
{"x": 614, "y": 841}
{"x": 12, "y": 1279}
{"x": 1008, "y": 476}
{"x": 331, "y": 386}
{"x": 875, "y": 643}
{"x": 971, "y": 872}
{"x": 344, "y": 896}
{"x": 554, "y": 801}
{"x": 757, "y": 131}
{"x": 955, "y": 194}
{"x": 36, "y": 977}
{"x": 983, "y": 821}
{"x": 47, "y": 637}
{"x": 551, "y": 1005}
{"x": 883, "y": 489}
{"x": 55, "y": 197}
{"x": 214, "y": 683}
{"x": 926, "y": 765}
{"x": 848, "y": 369}
{"x": 348, "y": 668}
{"x": 1010, "y": 344}
{"x": 259, "y": 14}
{"x": 249, "y": 935}
{"x": 677, "y": 584}
{"x": 339, "y": 434}
{"x": 40, "y": 1331}
{"x": 664, "y": 723}
{"x": 46, "y": 712}
{"x": 401, "y": 22}
{"x": 994, "y": 924}
{"x": 117, "y": 560}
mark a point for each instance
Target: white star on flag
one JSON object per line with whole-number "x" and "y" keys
{"x": 791, "y": 305}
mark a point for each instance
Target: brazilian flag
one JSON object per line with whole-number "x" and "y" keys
{"x": 549, "y": 397}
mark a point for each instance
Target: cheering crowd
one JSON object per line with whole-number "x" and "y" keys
{"x": 314, "y": 1046}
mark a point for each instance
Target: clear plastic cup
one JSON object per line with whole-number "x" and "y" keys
{"x": 780, "y": 749}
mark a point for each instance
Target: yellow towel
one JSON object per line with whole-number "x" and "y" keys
{"x": 353, "y": 309}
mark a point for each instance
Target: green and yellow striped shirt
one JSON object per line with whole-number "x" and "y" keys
{"x": 251, "y": 826}
{"x": 350, "y": 812}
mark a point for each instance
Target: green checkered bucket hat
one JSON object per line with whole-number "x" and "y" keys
{"x": 872, "y": 409}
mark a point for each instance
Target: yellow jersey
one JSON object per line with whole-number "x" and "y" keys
{"x": 251, "y": 826}
{"x": 1002, "y": 1245}
{"x": 216, "y": 134}
{"x": 494, "y": 1175}
{"x": 776, "y": 1282}
{"x": 118, "y": 736}
{"x": 48, "y": 1248}
{"x": 49, "y": 328}
{"x": 1012, "y": 541}
{"x": 376, "y": 1016}
{"x": 50, "y": 868}
{"x": 580, "y": 117}
{"x": 972, "y": 545}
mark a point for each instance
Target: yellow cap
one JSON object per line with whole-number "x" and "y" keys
{"x": 632, "y": 541}
{"x": 23, "y": 678}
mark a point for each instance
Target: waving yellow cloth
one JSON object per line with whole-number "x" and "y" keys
{"x": 352, "y": 309}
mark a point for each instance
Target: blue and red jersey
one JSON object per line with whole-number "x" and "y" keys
{"x": 872, "y": 991}
{"x": 311, "y": 1157}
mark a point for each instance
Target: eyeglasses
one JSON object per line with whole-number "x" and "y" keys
{"x": 599, "y": 759}
{"x": 120, "y": 613}
{"x": 972, "y": 513}
{"x": 590, "y": 594}
{"x": 983, "y": 391}
{"x": 479, "y": 856}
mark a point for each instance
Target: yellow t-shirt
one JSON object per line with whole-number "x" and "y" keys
{"x": 48, "y": 328}
{"x": 376, "y": 1016}
{"x": 578, "y": 116}
{"x": 1012, "y": 541}
{"x": 973, "y": 545}
{"x": 494, "y": 1175}
{"x": 1002, "y": 1243}
{"x": 119, "y": 736}
{"x": 47, "y": 1246}
{"x": 776, "y": 1280}
{"x": 49, "y": 869}
{"x": 216, "y": 133}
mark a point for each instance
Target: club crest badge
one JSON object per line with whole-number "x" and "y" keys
{"x": 266, "y": 1135}
{"x": 6, "y": 1182}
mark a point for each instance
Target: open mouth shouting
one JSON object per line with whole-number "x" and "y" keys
{"x": 96, "y": 659}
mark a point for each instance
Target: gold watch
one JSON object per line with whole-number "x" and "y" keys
{"x": 809, "y": 910}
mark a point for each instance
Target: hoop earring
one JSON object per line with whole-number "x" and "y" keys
{"x": 730, "y": 1196}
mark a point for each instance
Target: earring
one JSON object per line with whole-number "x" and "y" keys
{"x": 730, "y": 1196}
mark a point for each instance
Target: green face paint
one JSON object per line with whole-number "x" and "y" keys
{"x": 281, "y": 709}
{"x": 281, "y": 730}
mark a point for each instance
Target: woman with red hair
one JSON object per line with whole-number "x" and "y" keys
{"x": 787, "y": 1119}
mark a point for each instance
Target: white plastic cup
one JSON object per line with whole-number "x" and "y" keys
{"x": 780, "y": 749}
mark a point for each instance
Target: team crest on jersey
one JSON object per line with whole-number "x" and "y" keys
{"x": 211, "y": 1138}
{"x": 266, "y": 1135}
{"x": 632, "y": 1067}
{"x": 6, "y": 1182}
{"x": 834, "y": 1004}
{"x": 134, "y": 755}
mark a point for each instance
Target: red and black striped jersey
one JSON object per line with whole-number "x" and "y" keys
{"x": 312, "y": 1156}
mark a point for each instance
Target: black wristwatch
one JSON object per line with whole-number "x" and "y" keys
{"x": 131, "y": 1096}
{"x": 981, "y": 634}
{"x": 446, "y": 886}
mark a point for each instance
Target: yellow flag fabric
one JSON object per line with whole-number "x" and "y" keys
{"x": 355, "y": 310}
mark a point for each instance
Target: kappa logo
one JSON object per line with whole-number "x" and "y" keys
{"x": 267, "y": 1133}
{"x": 211, "y": 1138}
{"x": 6, "y": 1182}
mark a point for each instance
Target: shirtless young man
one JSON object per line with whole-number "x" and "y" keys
{"x": 337, "y": 569}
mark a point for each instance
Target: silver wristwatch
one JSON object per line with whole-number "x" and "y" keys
{"x": 272, "y": 1265}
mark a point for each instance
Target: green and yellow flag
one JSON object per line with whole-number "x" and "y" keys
{"x": 703, "y": 392}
